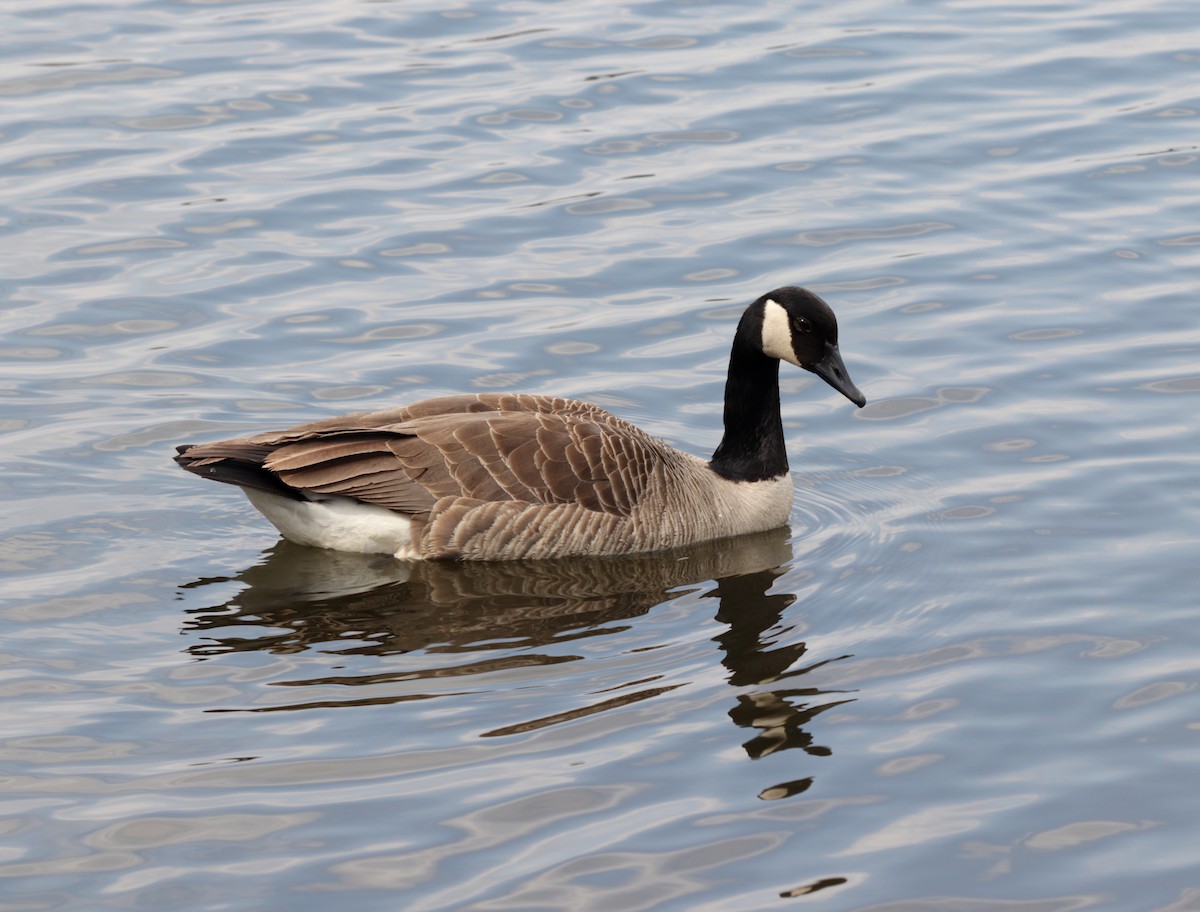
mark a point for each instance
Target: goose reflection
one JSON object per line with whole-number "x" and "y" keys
{"x": 504, "y": 615}
{"x": 779, "y": 712}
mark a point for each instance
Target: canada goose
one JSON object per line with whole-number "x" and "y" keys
{"x": 494, "y": 476}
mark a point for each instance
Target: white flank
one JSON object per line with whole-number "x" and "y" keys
{"x": 777, "y": 333}
{"x": 337, "y": 523}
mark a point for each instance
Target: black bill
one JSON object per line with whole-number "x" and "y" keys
{"x": 833, "y": 371}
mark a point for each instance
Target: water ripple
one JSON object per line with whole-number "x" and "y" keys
{"x": 221, "y": 218}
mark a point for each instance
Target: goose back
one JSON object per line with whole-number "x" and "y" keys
{"x": 494, "y": 477}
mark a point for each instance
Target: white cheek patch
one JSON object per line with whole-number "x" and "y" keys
{"x": 777, "y": 333}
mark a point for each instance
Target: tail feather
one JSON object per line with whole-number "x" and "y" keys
{"x": 235, "y": 464}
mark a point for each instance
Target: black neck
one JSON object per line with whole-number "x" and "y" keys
{"x": 752, "y": 448}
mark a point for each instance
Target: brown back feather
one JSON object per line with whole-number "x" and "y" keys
{"x": 487, "y": 448}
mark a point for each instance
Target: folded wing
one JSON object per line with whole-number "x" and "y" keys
{"x": 489, "y": 448}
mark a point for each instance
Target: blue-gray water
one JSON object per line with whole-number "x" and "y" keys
{"x": 965, "y": 679}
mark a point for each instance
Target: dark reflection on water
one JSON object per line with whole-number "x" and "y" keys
{"x": 778, "y": 713}
{"x": 385, "y": 606}
{"x": 302, "y": 599}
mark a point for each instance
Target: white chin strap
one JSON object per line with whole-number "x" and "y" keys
{"x": 777, "y": 333}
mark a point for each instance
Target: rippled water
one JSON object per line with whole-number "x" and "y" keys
{"x": 965, "y": 679}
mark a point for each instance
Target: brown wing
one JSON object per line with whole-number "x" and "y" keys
{"x": 491, "y": 448}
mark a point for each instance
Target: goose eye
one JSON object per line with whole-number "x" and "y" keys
{"x": 801, "y": 325}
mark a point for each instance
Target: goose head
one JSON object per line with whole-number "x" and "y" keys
{"x": 799, "y": 328}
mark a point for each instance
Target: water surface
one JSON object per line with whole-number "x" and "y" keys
{"x": 965, "y": 676}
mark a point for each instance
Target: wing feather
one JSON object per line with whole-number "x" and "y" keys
{"x": 473, "y": 449}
